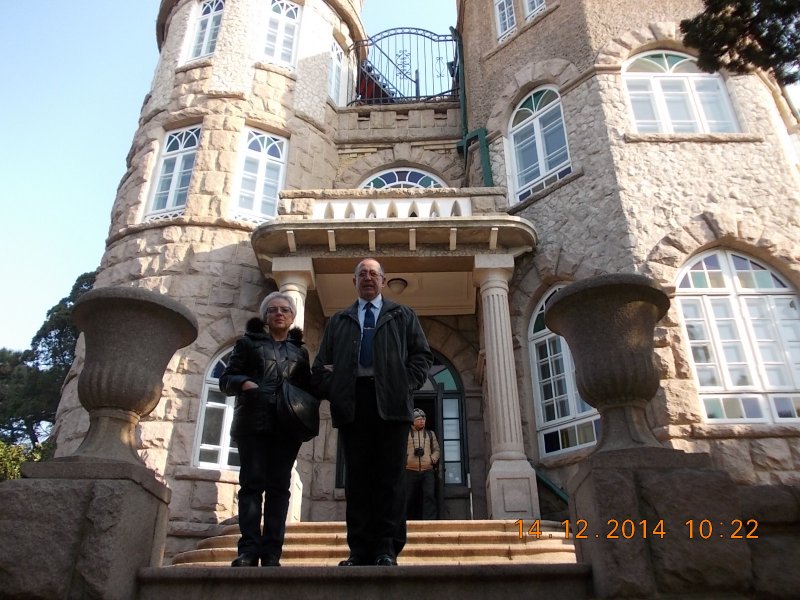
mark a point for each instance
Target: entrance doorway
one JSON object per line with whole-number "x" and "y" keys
{"x": 442, "y": 399}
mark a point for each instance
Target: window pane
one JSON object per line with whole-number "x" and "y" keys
{"x": 752, "y": 408}
{"x": 585, "y": 433}
{"x": 784, "y": 407}
{"x": 451, "y": 430}
{"x": 450, "y": 408}
{"x": 208, "y": 456}
{"x": 676, "y": 98}
{"x": 569, "y": 437}
{"x": 551, "y": 442}
{"x": 212, "y": 425}
{"x": 452, "y": 473}
{"x": 452, "y": 448}
{"x": 714, "y": 408}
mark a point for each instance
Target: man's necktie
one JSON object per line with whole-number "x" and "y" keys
{"x": 365, "y": 356}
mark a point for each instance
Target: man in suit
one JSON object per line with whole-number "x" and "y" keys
{"x": 372, "y": 357}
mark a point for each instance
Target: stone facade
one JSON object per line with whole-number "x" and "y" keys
{"x": 633, "y": 203}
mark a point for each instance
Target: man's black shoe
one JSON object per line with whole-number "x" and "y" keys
{"x": 351, "y": 561}
{"x": 270, "y": 561}
{"x": 245, "y": 560}
{"x": 384, "y": 560}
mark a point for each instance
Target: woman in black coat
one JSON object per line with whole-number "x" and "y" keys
{"x": 269, "y": 351}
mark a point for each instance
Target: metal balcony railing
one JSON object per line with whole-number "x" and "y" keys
{"x": 405, "y": 65}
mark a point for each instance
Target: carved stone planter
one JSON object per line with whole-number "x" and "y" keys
{"x": 608, "y": 322}
{"x": 131, "y": 334}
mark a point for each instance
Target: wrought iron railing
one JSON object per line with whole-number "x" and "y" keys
{"x": 405, "y": 65}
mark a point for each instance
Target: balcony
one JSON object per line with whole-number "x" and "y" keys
{"x": 405, "y": 65}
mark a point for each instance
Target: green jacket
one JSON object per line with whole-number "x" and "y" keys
{"x": 402, "y": 359}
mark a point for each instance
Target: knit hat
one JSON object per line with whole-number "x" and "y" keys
{"x": 418, "y": 412}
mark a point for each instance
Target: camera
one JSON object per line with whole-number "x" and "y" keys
{"x": 419, "y": 451}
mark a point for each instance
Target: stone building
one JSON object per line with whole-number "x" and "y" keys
{"x": 568, "y": 138}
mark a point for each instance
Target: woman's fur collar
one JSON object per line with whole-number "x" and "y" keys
{"x": 258, "y": 326}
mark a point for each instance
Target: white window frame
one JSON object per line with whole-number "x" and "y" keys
{"x": 175, "y": 170}
{"x": 283, "y": 31}
{"x": 209, "y": 18}
{"x": 741, "y": 335}
{"x": 578, "y": 414}
{"x": 526, "y": 129}
{"x": 335, "y": 73}
{"x": 211, "y": 399}
{"x": 399, "y": 178}
{"x": 261, "y": 154}
{"x": 505, "y": 19}
{"x": 533, "y": 8}
{"x": 676, "y": 85}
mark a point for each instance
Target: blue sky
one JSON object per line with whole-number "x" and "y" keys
{"x": 74, "y": 75}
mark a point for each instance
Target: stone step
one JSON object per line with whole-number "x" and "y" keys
{"x": 429, "y": 543}
{"x": 443, "y": 582}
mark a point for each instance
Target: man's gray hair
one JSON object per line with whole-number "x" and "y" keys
{"x": 262, "y": 310}
{"x": 361, "y": 262}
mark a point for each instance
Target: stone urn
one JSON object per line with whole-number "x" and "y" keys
{"x": 609, "y": 322}
{"x": 130, "y": 336}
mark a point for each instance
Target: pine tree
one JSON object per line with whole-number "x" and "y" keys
{"x": 744, "y": 34}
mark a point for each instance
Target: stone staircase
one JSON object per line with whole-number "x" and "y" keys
{"x": 429, "y": 543}
{"x": 458, "y": 560}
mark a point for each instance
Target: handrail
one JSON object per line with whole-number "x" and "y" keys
{"x": 405, "y": 64}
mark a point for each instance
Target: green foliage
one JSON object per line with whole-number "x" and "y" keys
{"x": 30, "y": 381}
{"x": 742, "y": 34}
{"x": 12, "y": 457}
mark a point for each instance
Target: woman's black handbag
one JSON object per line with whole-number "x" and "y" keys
{"x": 298, "y": 412}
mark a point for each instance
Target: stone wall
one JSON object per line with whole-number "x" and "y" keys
{"x": 637, "y": 203}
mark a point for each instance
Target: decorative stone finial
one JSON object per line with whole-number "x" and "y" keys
{"x": 131, "y": 334}
{"x": 608, "y": 322}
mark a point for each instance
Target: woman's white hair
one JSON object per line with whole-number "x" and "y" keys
{"x": 262, "y": 310}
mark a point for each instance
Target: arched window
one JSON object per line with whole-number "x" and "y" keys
{"x": 263, "y": 165}
{"x": 741, "y": 322}
{"x": 539, "y": 143}
{"x": 174, "y": 173}
{"x": 214, "y": 448}
{"x": 282, "y": 30}
{"x": 207, "y": 30}
{"x": 403, "y": 178}
{"x": 668, "y": 93}
{"x": 564, "y": 420}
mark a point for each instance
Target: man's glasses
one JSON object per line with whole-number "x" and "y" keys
{"x": 274, "y": 310}
{"x": 370, "y": 274}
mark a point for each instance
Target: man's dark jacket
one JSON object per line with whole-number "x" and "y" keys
{"x": 254, "y": 359}
{"x": 402, "y": 359}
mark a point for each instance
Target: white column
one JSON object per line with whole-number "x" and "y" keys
{"x": 295, "y": 276}
{"x": 511, "y": 482}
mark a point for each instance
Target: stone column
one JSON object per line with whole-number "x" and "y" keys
{"x": 511, "y": 482}
{"x": 295, "y": 276}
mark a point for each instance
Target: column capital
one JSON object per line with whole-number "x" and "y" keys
{"x": 293, "y": 269}
{"x": 488, "y": 267}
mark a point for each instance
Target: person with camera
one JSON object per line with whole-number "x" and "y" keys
{"x": 422, "y": 458}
